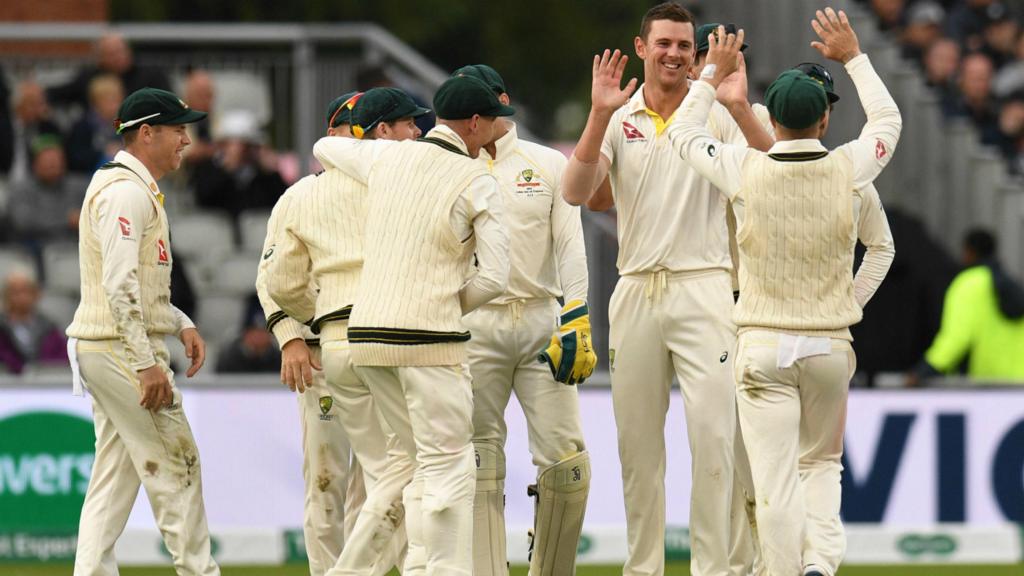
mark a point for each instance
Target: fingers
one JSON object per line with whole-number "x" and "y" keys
{"x": 167, "y": 398}
{"x": 739, "y": 39}
{"x": 823, "y": 21}
{"x": 198, "y": 356}
{"x": 819, "y": 47}
{"x": 630, "y": 88}
{"x": 288, "y": 376}
{"x": 314, "y": 364}
{"x": 621, "y": 66}
{"x": 307, "y": 375}
{"x": 833, "y": 18}
{"x": 844, "y": 20}
{"x": 818, "y": 29}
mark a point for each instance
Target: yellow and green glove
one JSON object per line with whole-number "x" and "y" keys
{"x": 570, "y": 356}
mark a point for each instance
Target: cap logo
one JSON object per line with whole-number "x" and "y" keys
{"x": 182, "y": 102}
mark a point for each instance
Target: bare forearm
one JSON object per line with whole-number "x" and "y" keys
{"x": 581, "y": 174}
{"x": 757, "y": 137}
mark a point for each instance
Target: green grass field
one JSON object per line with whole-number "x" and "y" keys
{"x": 673, "y": 570}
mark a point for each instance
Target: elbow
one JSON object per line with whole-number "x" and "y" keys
{"x": 573, "y": 197}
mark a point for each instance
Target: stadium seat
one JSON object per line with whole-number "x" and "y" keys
{"x": 60, "y": 261}
{"x": 220, "y": 317}
{"x": 205, "y": 237}
{"x": 235, "y": 275}
{"x": 60, "y": 308}
{"x": 253, "y": 226}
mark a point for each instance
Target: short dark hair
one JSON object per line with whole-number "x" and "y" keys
{"x": 981, "y": 242}
{"x": 665, "y": 11}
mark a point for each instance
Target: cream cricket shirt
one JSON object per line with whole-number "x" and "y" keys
{"x": 124, "y": 251}
{"x": 830, "y": 187}
{"x": 669, "y": 216}
{"x": 547, "y": 255}
{"x": 284, "y": 327}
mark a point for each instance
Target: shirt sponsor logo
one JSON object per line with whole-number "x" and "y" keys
{"x": 633, "y": 134}
{"x": 880, "y": 150}
{"x": 529, "y": 183}
{"x": 126, "y": 226}
{"x": 162, "y": 252}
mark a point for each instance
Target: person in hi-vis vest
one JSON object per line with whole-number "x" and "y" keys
{"x": 800, "y": 210}
{"x": 117, "y": 346}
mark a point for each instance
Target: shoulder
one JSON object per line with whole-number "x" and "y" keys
{"x": 550, "y": 158}
{"x": 975, "y": 278}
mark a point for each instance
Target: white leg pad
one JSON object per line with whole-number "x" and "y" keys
{"x": 561, "y": 492}
{"x": 489, "y": 553}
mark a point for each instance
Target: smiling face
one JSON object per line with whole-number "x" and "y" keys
{"x": 667, "y": 53}
{"x": 167, "y": 143}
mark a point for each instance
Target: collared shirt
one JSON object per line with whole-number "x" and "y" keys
{"x": 126, "y": 257}
{"x": 669, "y": 216}
{"x": 547, "y": 254}
{"x": 479, "y": 211}
{"x": 723, "y": 163}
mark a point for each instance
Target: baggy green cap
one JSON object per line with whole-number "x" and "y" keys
{"x": 378, "y": 105}
{"x": 461, "y": 97}
{"x": 796, "y": 100}
{"x": 708, "y": 29}
{"x": 154, "y": 107}
{"x": 822, "y": 75}
{"x": 485, "y": 73}
{"x": 339, "y": 111}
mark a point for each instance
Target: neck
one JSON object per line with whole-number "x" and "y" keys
{"x": 503, "y": 127}
{"x": 141, "y": 155}
{"x": 664, "y": 101}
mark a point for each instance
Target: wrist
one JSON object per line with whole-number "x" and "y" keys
{"x": 851, "y": 55}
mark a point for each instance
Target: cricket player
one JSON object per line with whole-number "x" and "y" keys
{"x": 334, "y": 486}
{"x": 117, "y": 350}
{"x": 671, "y": 311}
{"x": 800, "y": 210}
{"x": 548, "y": 261}
{"x": 322, "y": 242}
{"x": 408, "y": 340}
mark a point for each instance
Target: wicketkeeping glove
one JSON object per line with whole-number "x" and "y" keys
{"x": 570, "y": 356}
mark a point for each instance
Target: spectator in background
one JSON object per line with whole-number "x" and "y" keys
{"x": 982, "y": 319}
{"x": 1010, "y": 78}
{"x": 6, "y": 127}
{"x": 199, "y": 95}
{"x": 1011, "y": 131}
{"x": 31, "y": 120}
{"x": 924, "y": 27}
{"x": 890, "y": 14}
{"x": 243, "y": 174}
{"x": 45, "y": 206}
{"x": 941, "y": 62}
{"x": 114, "y": 56}
{"x": 999, "y": 37}
{"x": 255, "y": 349}
{"x": 26, "y": 336}
{"x": 975, "y": 96}
{"x": 967, "y": 21}
{"x": 904, "y": 314}
{"x": 94, "y": 140}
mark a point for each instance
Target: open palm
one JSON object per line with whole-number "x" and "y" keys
{"x": 606, "y": 92}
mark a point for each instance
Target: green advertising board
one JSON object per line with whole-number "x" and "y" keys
{"x": 45, "y": 463}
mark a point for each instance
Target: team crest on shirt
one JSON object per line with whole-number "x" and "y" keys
{"x": 326, "y": 403}
{"x": 880, "y": 150}
{"x": 633, "y": 134}
{"x": 161, "y": 251}
{"x": 611, "y": 360}
{"x": 529, "y": 183}
{"x": 126, "y": 227}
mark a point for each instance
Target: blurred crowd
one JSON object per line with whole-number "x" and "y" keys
{"x": 972, "y": 54}
{"x": 53, "y": 137}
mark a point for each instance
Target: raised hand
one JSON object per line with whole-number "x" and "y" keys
{"x": 733, "y": 90}
{"x": 606, "y": 93}
{"x": 724, "y": 54}
{"x": 838, "y": 40}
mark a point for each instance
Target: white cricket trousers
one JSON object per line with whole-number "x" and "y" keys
{"x": 137, "y": 447}
{"x": 503, "y": 358}
{"x": 665, "y": 324}
{"x": 430, "y": 409}
{"x": 793, "y": 421}
{"x": 377, "y": 539}
{"x": 334, "y": 487}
